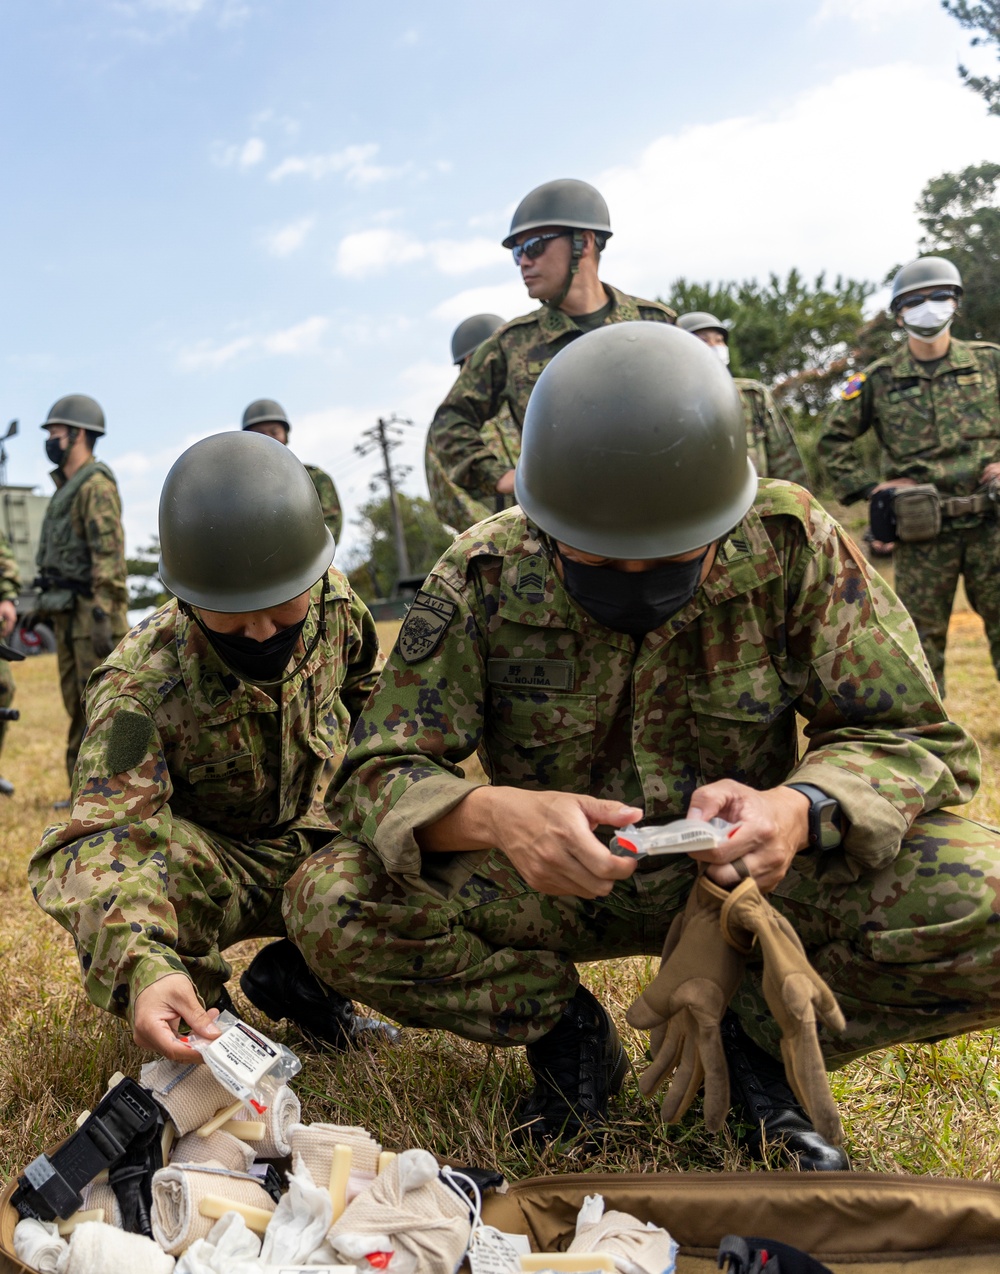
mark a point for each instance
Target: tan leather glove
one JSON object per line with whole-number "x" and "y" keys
{"x": 795, "y": 994}
{"x": 683, "y": 1006}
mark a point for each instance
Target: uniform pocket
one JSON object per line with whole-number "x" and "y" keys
{"x": 745, "y": 721}
{"x": 542, "y": 737}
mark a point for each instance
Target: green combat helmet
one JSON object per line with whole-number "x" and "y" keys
{"x": 241, "y": 528}
{"x": 470, "y": 334}
{"x": 702, "y": 321}
{"x": 634, "y": 445}
{"x": 265, "y": 411}
{"x": 925, "y": 272}
{"x": 78, "y": 412}
{"x": 565, "y": 202}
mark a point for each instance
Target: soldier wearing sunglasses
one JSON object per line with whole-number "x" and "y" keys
{"x": 556, "y": 237}
{"x": 935, "y": 409}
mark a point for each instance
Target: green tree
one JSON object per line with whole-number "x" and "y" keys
{"x": 144, "y": 585}
{"x": 961, "y": 221}
{"x": 985, "y": 18}
{"x": 371, "y": 567}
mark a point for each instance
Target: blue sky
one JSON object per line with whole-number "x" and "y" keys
{"x": 208, "y": 201}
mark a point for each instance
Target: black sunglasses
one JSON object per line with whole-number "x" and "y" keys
{"x": 918, "y": 298}
{"x": 534, "y": 247}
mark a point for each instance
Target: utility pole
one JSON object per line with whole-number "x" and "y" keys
{"x": 11, "y": 431}
{"x": 386, "y": 437}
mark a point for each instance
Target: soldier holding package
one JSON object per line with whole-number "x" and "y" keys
{"x": 636, "y": 640}
{"x": 935, "y": 407}
{"x": 198, "y": 788}
{"x": 557, "y": 235}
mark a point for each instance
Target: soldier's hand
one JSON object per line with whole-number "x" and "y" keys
{"x": 8, "y": 618}
{"x": 505, "y": 484}
{"x": 892, "y": 482}
{"x": 101, "y": 637}
{"x": 774, "y": 826}
{"x": 990, "y": 474}
{"x": 158, "y": 1014}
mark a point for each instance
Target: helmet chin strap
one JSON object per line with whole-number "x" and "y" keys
{"x": 554, "y": 302}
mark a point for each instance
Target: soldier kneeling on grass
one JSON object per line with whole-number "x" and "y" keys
{"x": 637, "y": 638}
{"x": 196, "y": 793}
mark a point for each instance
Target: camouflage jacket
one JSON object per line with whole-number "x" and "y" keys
{"x": 333, "y": 514}
{"x": 941, "y": 427}
{"x": 96, "y": 517}
{"x": 494, "y": 656}
{"x": 770, "y": 441}
{"x": 173, "y": 734}
{"x": 503, "y": 371}
{"x": 455, "y": 507}
{"x": 10, "y": 579}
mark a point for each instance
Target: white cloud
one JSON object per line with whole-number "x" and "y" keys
{"x": 353, "y": 161}
{"x": 370, "y": 252}
{"x": 874, "y": 15}
{"x": 246, "y": 156}
{"x": 301, "y": 338}
{"x": 809, "y": 185}
{"x": 507, "y": 299}
{"x": 283, "y": 242}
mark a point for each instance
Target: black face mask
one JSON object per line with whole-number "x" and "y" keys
{"x": 55, "y": 452}
{"x": 261, "y": 661}
{"x": 633, "y": 602}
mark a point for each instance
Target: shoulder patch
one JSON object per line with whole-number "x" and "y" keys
{"x": 129, "y": 741}
{"x": 425, "y": 624}
{"x": 853, "y": 387}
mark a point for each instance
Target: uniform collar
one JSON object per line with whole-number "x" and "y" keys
{"x": 555, "y": 324}
{"x": 959, "y": 357}
{"x": 216, "y": 694}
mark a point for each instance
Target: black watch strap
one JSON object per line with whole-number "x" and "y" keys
{"x": 826, "y": 824}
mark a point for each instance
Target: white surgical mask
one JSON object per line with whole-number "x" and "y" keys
{"x": 722, "y": 352}
{"x": 929, "y": 319}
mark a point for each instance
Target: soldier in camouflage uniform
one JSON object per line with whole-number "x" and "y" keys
{"x": 641, "y": 638}
{"x": 770, "y": 441}
{"x": 198, "y": 788}
{"x": 10, "y": 587}
{"x": 557, "y": 235}
{"x": 82, "y": 575}
{"x": 265, "y": 416}
{"x": 935, "y": 407}
{"x": 456, "y": 508}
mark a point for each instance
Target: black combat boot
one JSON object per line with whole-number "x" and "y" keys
{"x": 577, "y": 1066}
{"x": 776, "y": 1119}
{"x": 6, "y": 787}
{"x": 281, "y": 984}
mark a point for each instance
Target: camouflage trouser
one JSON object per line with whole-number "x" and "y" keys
{"x": 912, "y": 951}
{"x": 77, "y": 660}
{"x": 6, "y": 694}
{"x": 927, "y": 575}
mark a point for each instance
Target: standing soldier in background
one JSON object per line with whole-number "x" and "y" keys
{"x": 10, "y": 587}
{"x": 557, "y": 235}
{"x": 81, "y": 557}
{"x": 454, "y": 507}
{"x": 771, "y": 443}
{"x": 934, "y": 406}
{"x": 265, "y": 416}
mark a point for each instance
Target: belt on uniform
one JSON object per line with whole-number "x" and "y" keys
{"x": 959, "y": 506}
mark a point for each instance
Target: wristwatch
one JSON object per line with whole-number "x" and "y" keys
{"x": 826, "y": 823}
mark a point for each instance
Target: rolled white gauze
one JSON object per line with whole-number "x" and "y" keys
{"x": 427, "y": 1223}
{"x": 218, "y": 1148}
{"x": 100, "y": 1195}
{"x": 39, "y": 1245}
{"x": 178, "y": 1193}
{"x": 96, "y": 1248}
{"x": 312, "y": 1147}
{"x": 285, "y": 1109}
{"x": 631, "y": 1244}
{"x": 190, "y": 1094}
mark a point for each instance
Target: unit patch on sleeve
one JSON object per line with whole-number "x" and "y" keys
{"x": 128, "y": 742}
{"x": 424, "y": 626}
{"x": 853, "y": 387}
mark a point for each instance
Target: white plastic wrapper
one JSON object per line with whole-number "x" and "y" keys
{"x": 247, "y": 1063}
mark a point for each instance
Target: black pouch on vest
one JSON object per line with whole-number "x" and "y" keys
{"x": 881, "y": 516}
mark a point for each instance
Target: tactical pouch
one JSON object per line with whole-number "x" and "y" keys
{"x": 881, "y": 517}
{"x": 918, "y": 513}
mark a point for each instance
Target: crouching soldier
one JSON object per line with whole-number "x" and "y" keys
{"x": 197, "y": 791}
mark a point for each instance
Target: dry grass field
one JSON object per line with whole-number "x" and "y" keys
{"x": 927, "y": 1109}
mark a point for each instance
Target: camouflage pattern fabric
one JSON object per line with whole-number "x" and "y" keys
{"x": 333, "y": 514}
{"x": 456, "y": 508}
{"x": 501, "y": 373}
{"x": 10, "y": 588}
{"x": 495, "y": 657}
{"x": 941, "y": 427}
{"x": 195, "y": 796}
{"x": 771, "y": 443}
